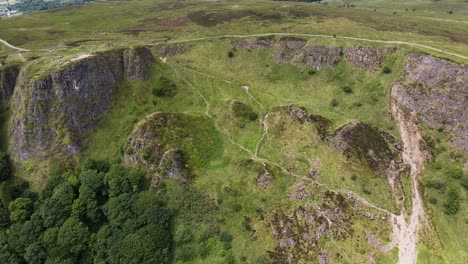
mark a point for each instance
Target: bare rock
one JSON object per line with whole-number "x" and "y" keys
{"x": 366, "y": 57}
{"x": 265, "y": 178}
{"x": 260, "y": 43}
{"x": 437, "y": 91}
{"x": 52, "y": 112}
{"x": 319, "y": 57}
{"x": 171, "y": 50}
{"x": 173, "y": 165}
{"x": 136, "y": 62}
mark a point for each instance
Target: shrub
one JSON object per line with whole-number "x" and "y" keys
{"x": 231, "y": 54}
{"x": 452, "y": 203}
{"x": 455, "y": 172}
{"x": 164, "y": 88}
{"x": 464, "y": 182}
{"x": 387, "y": 70}
{"x": 334, "y": 102}
{"x": 312, "y": 71}
{"x": 435, "y": 184}
{"x": 225, "y": 237}
{"x": 433, "y": 200}
{"x": 253, "y": 116}
{"x": 347, "y": 89}
{"x": 354, "y": 177}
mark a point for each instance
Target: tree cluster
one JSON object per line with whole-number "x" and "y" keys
{"x": 96, "y": 214}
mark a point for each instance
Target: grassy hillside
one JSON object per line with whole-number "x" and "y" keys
{"x": 262, "y": 177}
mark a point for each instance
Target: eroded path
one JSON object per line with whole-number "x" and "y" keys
{"x": 406, "y": 227}
{"x": 12, "y": 46}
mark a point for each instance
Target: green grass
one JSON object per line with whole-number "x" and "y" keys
{"x": 225, "y": 188}
{"x": 226, "y": 180}
{"x": 102, "y": 25}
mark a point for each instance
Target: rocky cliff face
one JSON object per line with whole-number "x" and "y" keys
{"x": 8, "y": 75}
{"x": 136, "y": 62}
{"x": 53, "y": 112}
{"x": 365, "y": 57}
{"x": 436, "y": 91}
{"x": 296, "y": 51}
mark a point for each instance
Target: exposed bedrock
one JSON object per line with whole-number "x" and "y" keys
{"x": 436, "y": 91}
{"x": 51, "y": 113}
{"x": 299, "y": 52}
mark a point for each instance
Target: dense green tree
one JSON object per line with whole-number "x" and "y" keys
{"x": 93, "y": 180}
{"x": 72, "y": 238}
{"x": 121, "y": 181}
{"x": 7, "y": 254}
{"x": 20, "y": 209}
{"x": 4, "y": 215}
{"x": 97, "y": 165}
{"x": 127, "y": 227}
{"x": 58, "y": 207}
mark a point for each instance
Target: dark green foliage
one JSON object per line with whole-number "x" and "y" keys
{"x": 20, "y": 209}
{"x": 103, "y": 218}
{"x": 354, "y": 177}
{"x": 72, "y": 238}
{"x": 4, "y": 216}
{"x": 5, "y": 167}
{"x": 121, "y": 181}
{"x": 452, "y": 203}
{"x": 347, "y": 89}
{"x": 97, "y": 165}
{"x": 334, "y": 102}
{"x": 231, "y": 54}
{"x": 56, "y": 209}
{"x": 165, "y": 87}
{"x": 386, "y": 70}
{"x": 243, "y": 111}
{"x": 455, "y": 172}
{"x": 464, "y": 181}
{"x": 433, "y": 200}
{"x": 225, "y": 237}
{"x": 435, "y": 184}
{"x": 312, "y": 71}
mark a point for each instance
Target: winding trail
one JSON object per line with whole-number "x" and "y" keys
{"x": 395, "y": 42}
{"x": 12, "y": 46}
{"x": 254, "y": 156}
{"x": 406, "y": 227}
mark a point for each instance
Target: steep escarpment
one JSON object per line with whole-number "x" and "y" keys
{"x": 51, "y": 113}
{"x": 436, "y": 90}
{"x": 8, "y": 75}
{"x": 299, "y": 52}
